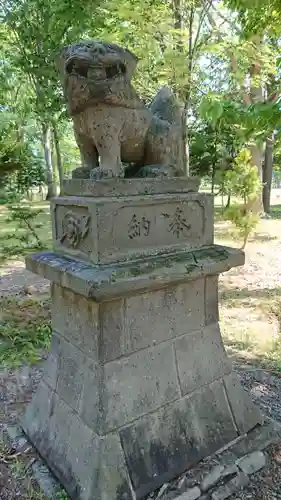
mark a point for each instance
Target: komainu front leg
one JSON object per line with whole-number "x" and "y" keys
{"x": 110, "y": 161}
{"x": 89, "y": 157}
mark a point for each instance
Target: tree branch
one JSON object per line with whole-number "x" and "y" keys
{"x": 232, "y": 57}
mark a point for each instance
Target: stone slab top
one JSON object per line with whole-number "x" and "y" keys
{"x": 129, "y": 187}
{"x": 106, "y": 282}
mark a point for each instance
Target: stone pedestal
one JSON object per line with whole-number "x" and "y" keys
{"x": 137, "y": 387}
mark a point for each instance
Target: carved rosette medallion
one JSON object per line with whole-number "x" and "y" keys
{"x": 74, "y": 228}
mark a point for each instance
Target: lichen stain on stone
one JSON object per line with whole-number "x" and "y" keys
{"x": 57, "y": 463}
{"x": 123, "y": 492}
{"x": 160, "y": 463}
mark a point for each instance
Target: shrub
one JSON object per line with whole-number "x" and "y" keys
{"x": 244, "y": 182}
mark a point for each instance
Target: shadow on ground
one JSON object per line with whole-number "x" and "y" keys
{"x": 229, "y": 233}
{"x": 15, "y": 280}
{"x": 229, "y": 294}
{"x": 275, "y": 212}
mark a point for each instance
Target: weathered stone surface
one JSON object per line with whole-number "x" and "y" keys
{"x": 111, "y": 123}
{"x": 259, "y": 438}
{"x": 201, "y": 358}
{"x": 212, "y": 478}
{"x": 218, "y": 428}
{"x": 231, "y": 487}
{"x": 16, "y": 438}
{"x": 227, "y": 457}
{"x": 107, "y": 283}
{"x": 160, "y": 446}
{"x": 74, "y": 365}
{"x": 45, "y": 480}
{"x": 252, "y": 463}
{"x": 88, "y": 466}
{"x": 190, "y": 494}
{"x": 36, "y": 418}
{"x": 90, "y": 398}
{"x": 82, "y": 457}
{"x": 128, "y": 187}
{"x": 107, "y": 230}
{"x": 51, "y": 366}
{"x": 184, "y": 483}
{"x": 115, "y": 339}
{"x": 138, "y": 384}
{"x": 230, "y": 470}
{"x": 246, "y": 414}
{"x": 150, "y": 318}
{"x": 47, "y": 423}
{"x": 154, "y": 317}
{"x": 211, "y": 300}
{"x": 114, "y": 482}
{"x": 77, "y": 319}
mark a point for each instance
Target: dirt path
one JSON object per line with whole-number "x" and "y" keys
{"x": 15, "y": 280}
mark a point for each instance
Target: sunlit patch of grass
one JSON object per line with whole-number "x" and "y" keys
{"x": 250, "y": 322}
{"x": 25, "y": 330}
{"x": 267, "y": 231}
{"x": 268, "y": 300}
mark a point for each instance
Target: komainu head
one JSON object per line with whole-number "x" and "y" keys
{"x": 95, "y": 72}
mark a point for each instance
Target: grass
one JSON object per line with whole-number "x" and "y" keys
{"x": 25, "y": 330}
{"x": 16, "y": 472}
{"x": 24, "y": 324}
{"x": 276, "y": 212}
{"x": 11, "y": 247}
{"x": 16, "y": 467}
{"x": 250, "y": 322}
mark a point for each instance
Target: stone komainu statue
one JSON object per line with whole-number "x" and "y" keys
{"x": 112, "y": 125}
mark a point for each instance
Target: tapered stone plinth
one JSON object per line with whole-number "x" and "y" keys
{"x": 137, "y": 387}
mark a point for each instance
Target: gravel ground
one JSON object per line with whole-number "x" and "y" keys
{"x": 15, "y": 280}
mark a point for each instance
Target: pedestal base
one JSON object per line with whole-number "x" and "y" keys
{"x": 137, "y": 387}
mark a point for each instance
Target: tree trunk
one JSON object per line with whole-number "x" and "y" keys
{"x": 213, "y": 179}
{"x": 185, "y": 145}
{"x": 188, "y": 92}
{"x": 46, "y": 140}
{"x": 178, "y": 25}
{"x": 256, "y": 97}
{"x": 177, "y": 15}
{"x": 228, "y": 201}
{"x": 267, "y": 174}
{"x": 257, "y": 153}
{"x": 58, "y": 154}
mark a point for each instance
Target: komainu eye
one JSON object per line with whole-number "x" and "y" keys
{"x": 77, "y": 66}
{"x": 115, "y": 70}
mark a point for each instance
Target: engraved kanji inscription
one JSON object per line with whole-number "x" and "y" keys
{"x": 138, "y": 227}
{"x": 178, "y": 223}
{"x": 74, "y": 228}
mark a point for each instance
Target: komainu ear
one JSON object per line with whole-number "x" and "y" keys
{"x": 131, "y": 62}
{"x": 60, "y": 59}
